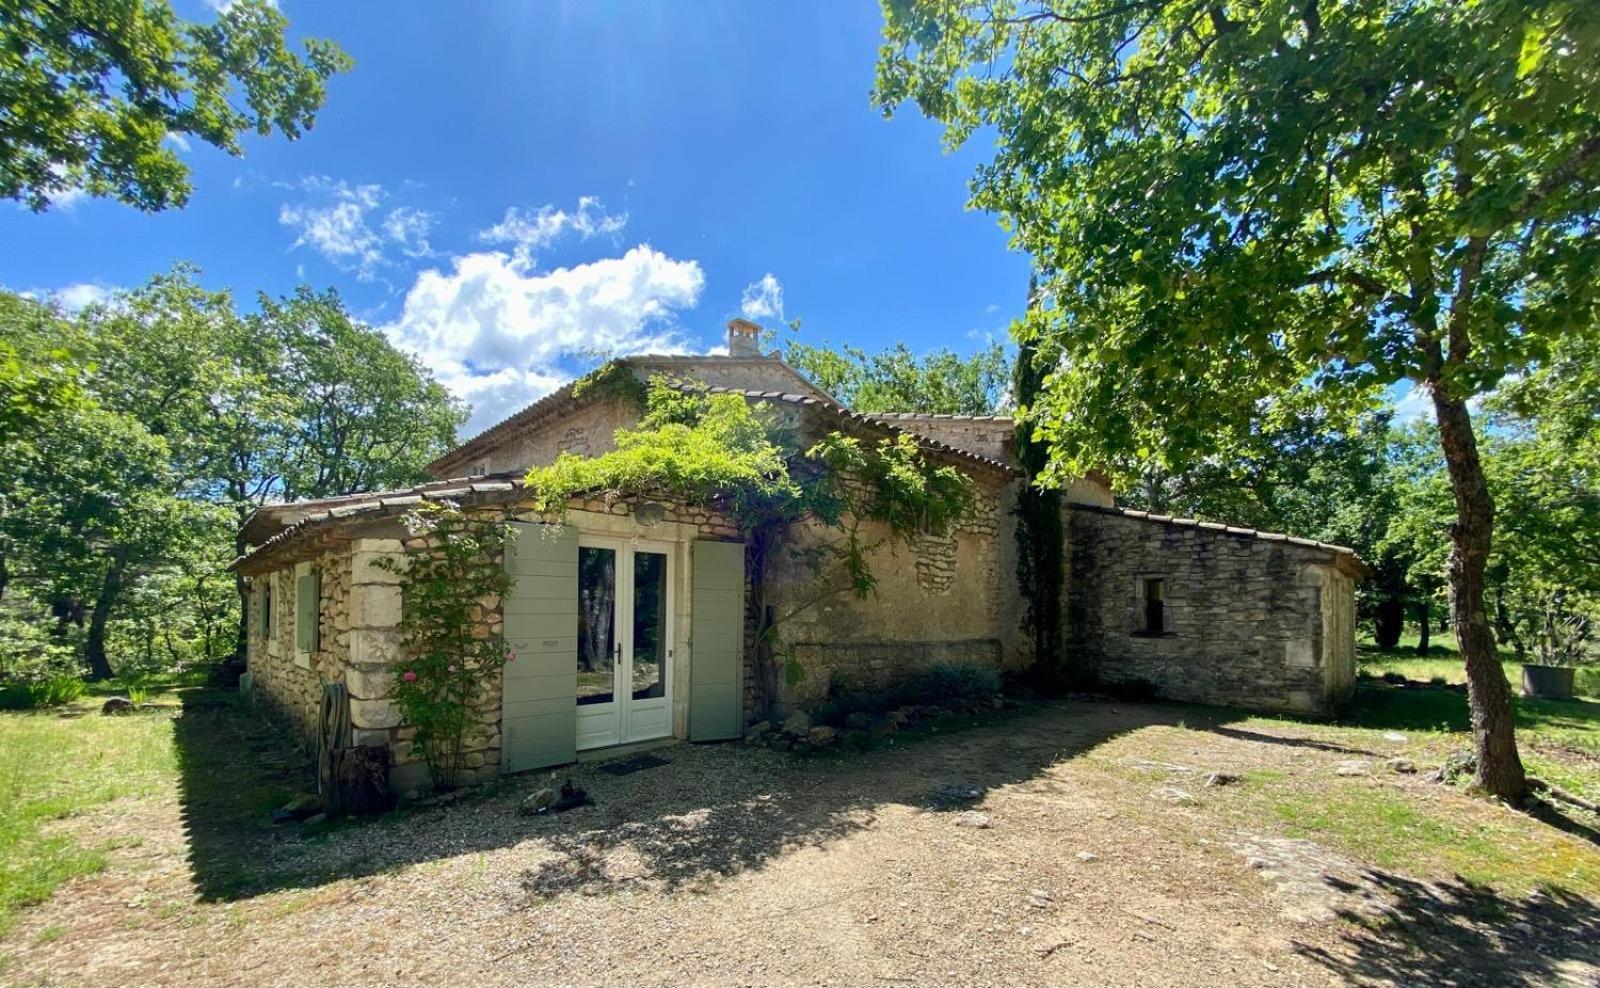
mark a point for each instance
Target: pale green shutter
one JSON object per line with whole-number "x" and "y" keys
{"x": 305, "y": 612}
{"x": 716, "y": 643}
{"x": 539, "y": 699}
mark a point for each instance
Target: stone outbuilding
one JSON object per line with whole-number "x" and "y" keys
{"x": 631, "y": 617}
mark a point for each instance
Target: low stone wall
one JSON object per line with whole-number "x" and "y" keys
{"x": 1250, "y": 620}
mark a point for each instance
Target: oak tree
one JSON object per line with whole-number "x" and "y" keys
{"x": 91, "y": 90}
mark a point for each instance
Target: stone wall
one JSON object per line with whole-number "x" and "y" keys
{"x": 940, "y": 599}
{"x": 586, "y": 431}
{"x": 358, "y": 644}
{"x": 1250, "y": 620}
{"x": 287, "y": 682}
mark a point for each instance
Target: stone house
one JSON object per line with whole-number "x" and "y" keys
{"x": 630, "y": 618}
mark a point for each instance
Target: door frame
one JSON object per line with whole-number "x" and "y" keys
{"x": 620, "y": 710}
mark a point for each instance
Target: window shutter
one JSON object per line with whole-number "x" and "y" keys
{"x": 539, "y": 702}
{"x": 307, "y": 590}
{"x": 716, "y": 654}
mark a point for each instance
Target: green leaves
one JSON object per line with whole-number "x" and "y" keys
{"x": 1228, "y": 205}
{"x": 718, "y": 451}
{"x": 897, "y": 380}
{"x": 92, "y": 88}
{"x": 137, "y": 435}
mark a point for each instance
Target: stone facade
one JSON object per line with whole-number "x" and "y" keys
{"x": 940, "y": 599}
{"x": 288, "y": 681}
{"x": 1247, "y": 619}
{"x": 360, "y": 641}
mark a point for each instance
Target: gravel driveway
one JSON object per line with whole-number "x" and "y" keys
{"x": 1016, "y": 852}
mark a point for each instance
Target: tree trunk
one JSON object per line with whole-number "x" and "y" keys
{"x": 1389, "y": 622}
{"x": 95, "y": 648}
{"x": 1424, "y": 626}
{"x": 1500, "y": 771}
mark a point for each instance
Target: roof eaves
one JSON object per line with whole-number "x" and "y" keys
{"x": 858, "y": 418}
{"x": 379, "y": 504}
{"x": 1252, "y": 533}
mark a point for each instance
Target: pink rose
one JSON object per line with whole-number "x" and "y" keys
{"x": 451, "y": 668}
{"x": 409, "y": 676}
{"x": 511, "y": 656}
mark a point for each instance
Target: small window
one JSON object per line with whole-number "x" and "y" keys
{"x": 479, "y": 469}
{"x": 266, "y": 607}
{"x": 1155, "y": 606}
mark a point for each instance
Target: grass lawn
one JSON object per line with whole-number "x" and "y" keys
{"x": 54, "y": 763}
{"x": 1443, "y": 663}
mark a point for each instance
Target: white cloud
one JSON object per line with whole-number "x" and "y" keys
{"x": 179, "y": 141}
{"x": 339, "y": 221}
{"x": 763, "y": 299}
{"x": 1415, "y": 403}
{"x": 527, "y": 230}
{"x": 500, "y": 335}
{"x": 81, "y": 295}
{"x": 408, "y": 228}
{"x": 334, "y": 223}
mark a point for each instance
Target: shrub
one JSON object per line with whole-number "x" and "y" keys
{"x": 52, "y": 692}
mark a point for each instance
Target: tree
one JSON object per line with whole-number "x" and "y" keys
{"x": 38, "y": 382}
{"x": 897, "y": 380}
{"x": 1041, "y": 533}
{"x": 139, "y": 434}
{"x": 91, "y": 89}
{"x": 364, "y": 416}
{"x": 1240, "y": 208}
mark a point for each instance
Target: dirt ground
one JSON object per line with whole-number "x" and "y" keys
{"x": 1050, "y": 846}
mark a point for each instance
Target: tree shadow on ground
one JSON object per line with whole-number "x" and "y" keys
{"x": 234, "y": 769}
{"x": 1420, "y": 707}
{"x": 713, "y": 811}
{"x": 1563, "y": 818}
{"x": 1459, "y": 933}
{"x": 1258, "y": 737}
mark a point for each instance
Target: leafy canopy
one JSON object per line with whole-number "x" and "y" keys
{"x": 92, "y": 89}
{"x": 717, "y": 451}
{"x": 897, "y": 380}
{"x": 136, "y": 435}
{"x": 1240, "y": 211}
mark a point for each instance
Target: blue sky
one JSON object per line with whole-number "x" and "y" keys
{"x": 509, "y": 188}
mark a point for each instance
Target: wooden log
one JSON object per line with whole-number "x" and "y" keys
{"x": 358, "y": 780}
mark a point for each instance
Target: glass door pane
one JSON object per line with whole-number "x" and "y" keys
{"x": 597, "y": 624}
{"x": 649, "y": 652}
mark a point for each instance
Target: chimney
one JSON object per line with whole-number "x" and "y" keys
{"x": 744, "y": 338}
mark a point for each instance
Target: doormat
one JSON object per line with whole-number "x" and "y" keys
{"x": 628, "y": 766}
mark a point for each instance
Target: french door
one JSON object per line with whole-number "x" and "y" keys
{"x": 625, "y": 607}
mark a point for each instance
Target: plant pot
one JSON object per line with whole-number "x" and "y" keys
{"x": 1548, "y": 682}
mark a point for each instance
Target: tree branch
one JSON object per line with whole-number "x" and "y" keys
{"x": 1561, "y": 175}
